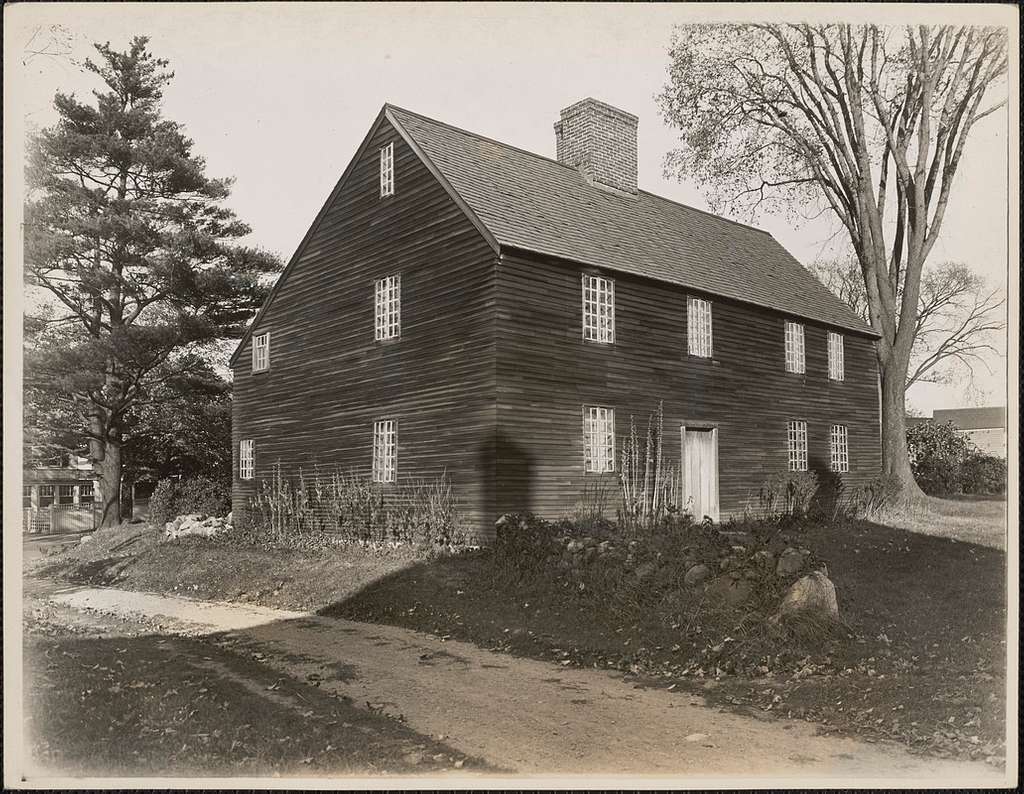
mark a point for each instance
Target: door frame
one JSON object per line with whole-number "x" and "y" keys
{"x": 702, "y": 427}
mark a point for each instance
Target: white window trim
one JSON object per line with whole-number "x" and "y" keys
{"x": 796, "y": 444}
{"x": 387, "y": 170}
{"x": 699, "y": 333}
{"x": 839, "y": 449}
{"x": 385, "y": 451}
{"x": 796, "y": 361}
{"x": 836, "y": 356}
{"x": 598, "y": 309}
{"x": 598, "y": 439}
{"x": 246, "y": 459}
{"x": 387, "y": 312}
{"x": 261, "y": 352}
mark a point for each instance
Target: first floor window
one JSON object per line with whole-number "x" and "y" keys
{"x": 835, "y": 356}
{"x": 797, "y": 433}
{"x": 85, "y": 494}
{"x": 598, "y": 309}
{"x": 45, "y": 495}
{"x": 839, "y": 449}
{"x": 388, "y": 308}
{"x": 384, "y": 450}
{"x": 598, "y": 439}
{"x": 795, "y": 348}
{"x": 26, "y": 496}
{"x": 246, "y": 459}
{"x": 65, "y": 494}
{"x": 261, "y": 352}
{"x": 698, "y": 327}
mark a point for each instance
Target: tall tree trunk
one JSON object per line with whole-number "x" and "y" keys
{"x": 109, "y": 470}
{"x": 895, "y": 460}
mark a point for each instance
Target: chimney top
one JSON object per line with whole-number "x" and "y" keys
{"x": 600, "y": 141}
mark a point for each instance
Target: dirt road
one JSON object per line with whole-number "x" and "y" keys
{"x": 528, "y": 716}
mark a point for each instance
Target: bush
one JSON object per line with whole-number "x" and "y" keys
{"x": 983, "y": 474}
{"x": 787, "y": 494}
{"x": 937, "y": 452}
{"x": 173, "y": 498}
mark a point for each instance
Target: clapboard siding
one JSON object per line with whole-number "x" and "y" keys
{"x": 546, "y": 373}
{"x": 329, "y": 379}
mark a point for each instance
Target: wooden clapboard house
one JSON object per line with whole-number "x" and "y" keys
{"x": 463, "y": 306}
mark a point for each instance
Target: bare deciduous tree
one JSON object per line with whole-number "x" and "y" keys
{"x": 869, "y": 123}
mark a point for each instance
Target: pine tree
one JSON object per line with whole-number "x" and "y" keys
{"x": 124, "y": 229}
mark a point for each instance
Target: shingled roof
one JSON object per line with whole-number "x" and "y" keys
{"x": 534, "y": 203}
{"x": 972, "y": 418}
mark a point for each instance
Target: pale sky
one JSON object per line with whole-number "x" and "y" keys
{"x": 280, "y": 95}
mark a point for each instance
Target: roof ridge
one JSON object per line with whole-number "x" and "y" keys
{"x": 569, "y": 167}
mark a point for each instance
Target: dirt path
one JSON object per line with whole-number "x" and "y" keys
{"x": 524, "y": 715}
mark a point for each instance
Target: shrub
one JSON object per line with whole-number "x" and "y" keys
{"x": 937, "y": 452}
{"x": 173, "y": 498}
{"x": 649, "y": 486}
{"x": 874, "y": 496}
{"x": 983, "y": 474}
{"x": 786, "y": 494}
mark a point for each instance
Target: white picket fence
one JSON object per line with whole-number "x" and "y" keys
{"x": 60, "y": 519}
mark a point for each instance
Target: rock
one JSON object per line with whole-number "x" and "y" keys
{"x": 763, "y": 559}
{"x": 645, "y": 571}
{"x": 728, "y": 590}
{"x": 791, "y": 561}
{"x": 229, "y": 518}
{"x": 695, "y": 575}
{"x": 86, "y": 539}
{"x": 574, "y": 546}
{"x": 813, "y": 594}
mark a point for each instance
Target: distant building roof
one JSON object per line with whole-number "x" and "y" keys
{"x": 913, "y": 421}
{"x": 49, "y": 474}
{"x": 972, "y": 418}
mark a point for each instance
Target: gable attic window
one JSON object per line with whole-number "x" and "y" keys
{"x": 246, "y": 459}
{"x": 698, "y": 327}
{"x": 387, "y": 171}
{"x": 261, "y": 352}
{"x": 835, "y": 356}
{"x": 598, "y": 309}
{"x": 388, "y": 308}
{"x": 385, "y": 438}
{"x": 839, "y": 449}
{"x": 598, "y": 439}
{"x": 795, "y": 348}
{"x": 797, "y": 437}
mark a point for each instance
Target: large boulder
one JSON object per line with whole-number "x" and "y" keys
{"x": 791, "y": 561}
{"x": 729, "y": 591}
{"x": 813, "y": 595}
{"x": 696, "y": 575}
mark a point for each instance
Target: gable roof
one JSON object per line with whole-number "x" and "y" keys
{"x": 972, "y": 418}
{"x": 531, "y": 202}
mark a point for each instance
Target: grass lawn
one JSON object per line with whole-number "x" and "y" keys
{"x": 921, "y": 659}
{"x": 971, "y": 519}
{"x": 113, "y": 703}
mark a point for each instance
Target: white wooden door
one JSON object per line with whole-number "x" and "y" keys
{"x": 700, "y": 471}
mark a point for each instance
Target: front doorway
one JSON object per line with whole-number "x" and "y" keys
{"x": 700, "y": 471}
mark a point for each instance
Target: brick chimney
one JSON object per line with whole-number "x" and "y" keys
{"x": 600, "y": 141}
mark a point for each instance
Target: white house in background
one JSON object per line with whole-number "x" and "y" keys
{"x": 985, "y": 428}
{"x": 60, "y": 497}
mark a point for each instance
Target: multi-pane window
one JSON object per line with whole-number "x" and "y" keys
{"x": 598, "y": 309}
{"x": 388, "y": 308}
{"x": 598, "y": 439}
{"x": 26, "y": 496}
{"x": 85, "y": 493}
{"x": 45, "y": 495}
{"x": 835, "y": 356}
{"x": 839, "y": 448}
{"x": 261, "y": 352}
{"x": 246, "y": 459}
{"x": 387, "y": 170}
{"x": 384, "y": 450}
{"x": 795, "y": 347}
{"x": 698, "y": 327}
{"x": 797, "y": 436}
{"x": 65, "y": 494}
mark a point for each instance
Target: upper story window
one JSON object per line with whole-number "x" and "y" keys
{"x": 839, "y": 449}
{"x": 835, "y": 356}
{"x": 598, "y": 309}
{"x": 795, "y": 347}
{"x": 698, "y": 327}
{"x": 598, "y": 439}
{"x": 387, "y": 170}
{"x": 261, "y": 352}
{"x": 388, "y": 308}
{"x": 385, "y": 449}
{"x": 246, "y": 459}
{"x": 797, "y": 437}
